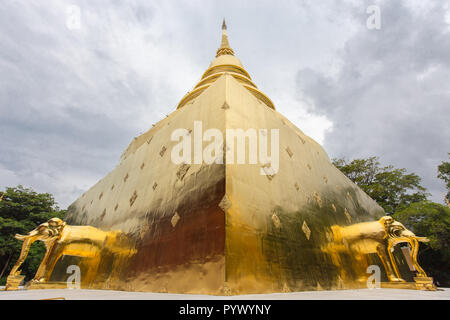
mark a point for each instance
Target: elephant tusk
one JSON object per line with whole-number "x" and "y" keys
{"x": 20, "y": 237}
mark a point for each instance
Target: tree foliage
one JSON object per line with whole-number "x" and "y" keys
{"x": 390, "y": 187}
{"x": 444, "y": 174}
{"x": 22, "y": 210}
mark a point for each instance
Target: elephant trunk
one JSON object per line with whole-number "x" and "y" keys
{"x": 423, "y": 239}
{"x": 31, "y": 234}
{"x": 27, "y": 241}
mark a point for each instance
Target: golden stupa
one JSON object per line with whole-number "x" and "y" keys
{"x": 225, "y": 228}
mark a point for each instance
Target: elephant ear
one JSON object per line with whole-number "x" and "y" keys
{"x": 56, "y": 225}
{"x": 43, "y": 229}
{"x": 387, "y": 220}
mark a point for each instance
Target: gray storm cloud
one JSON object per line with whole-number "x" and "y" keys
{"x": 391, "y": 96}
{"x": 72, "y": 100}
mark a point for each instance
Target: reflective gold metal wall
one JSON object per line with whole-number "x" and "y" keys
{"x": 227, "y": 229}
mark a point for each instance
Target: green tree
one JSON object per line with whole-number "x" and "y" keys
{"x": 391, "y": 188}
{"x": 22, "y": 210}
{"x": 431, "y": 220}
{"x": 444, "y": 174}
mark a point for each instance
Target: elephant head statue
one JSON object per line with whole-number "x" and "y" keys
{"x": 63, "y": 239}
{"x": 378, "y": 237}
{"x": 397, "y": 233}
{"x": 395, "y": 229}
{"x": 47, "y": 232}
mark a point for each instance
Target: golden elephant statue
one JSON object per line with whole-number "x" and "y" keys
{"x": 378, "y": 237}
{"x": 62, "y": 239}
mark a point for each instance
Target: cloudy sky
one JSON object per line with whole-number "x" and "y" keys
{"x": 74, "y": 92}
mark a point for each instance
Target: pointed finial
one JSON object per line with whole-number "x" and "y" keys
{"x": 224, "y": 46}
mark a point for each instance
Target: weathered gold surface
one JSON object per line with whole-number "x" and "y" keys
{"x": 152, "y": 225}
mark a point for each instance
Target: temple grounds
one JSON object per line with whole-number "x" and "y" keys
{"x": 363, "y": 294}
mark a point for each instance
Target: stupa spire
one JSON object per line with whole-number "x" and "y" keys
{"x": 225, "y": 63}
{"x": 225, "y": 45}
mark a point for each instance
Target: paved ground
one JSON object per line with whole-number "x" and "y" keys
{"x": 363, "y": 294}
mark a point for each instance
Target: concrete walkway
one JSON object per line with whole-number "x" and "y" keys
{"x": 362, "y": 294}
